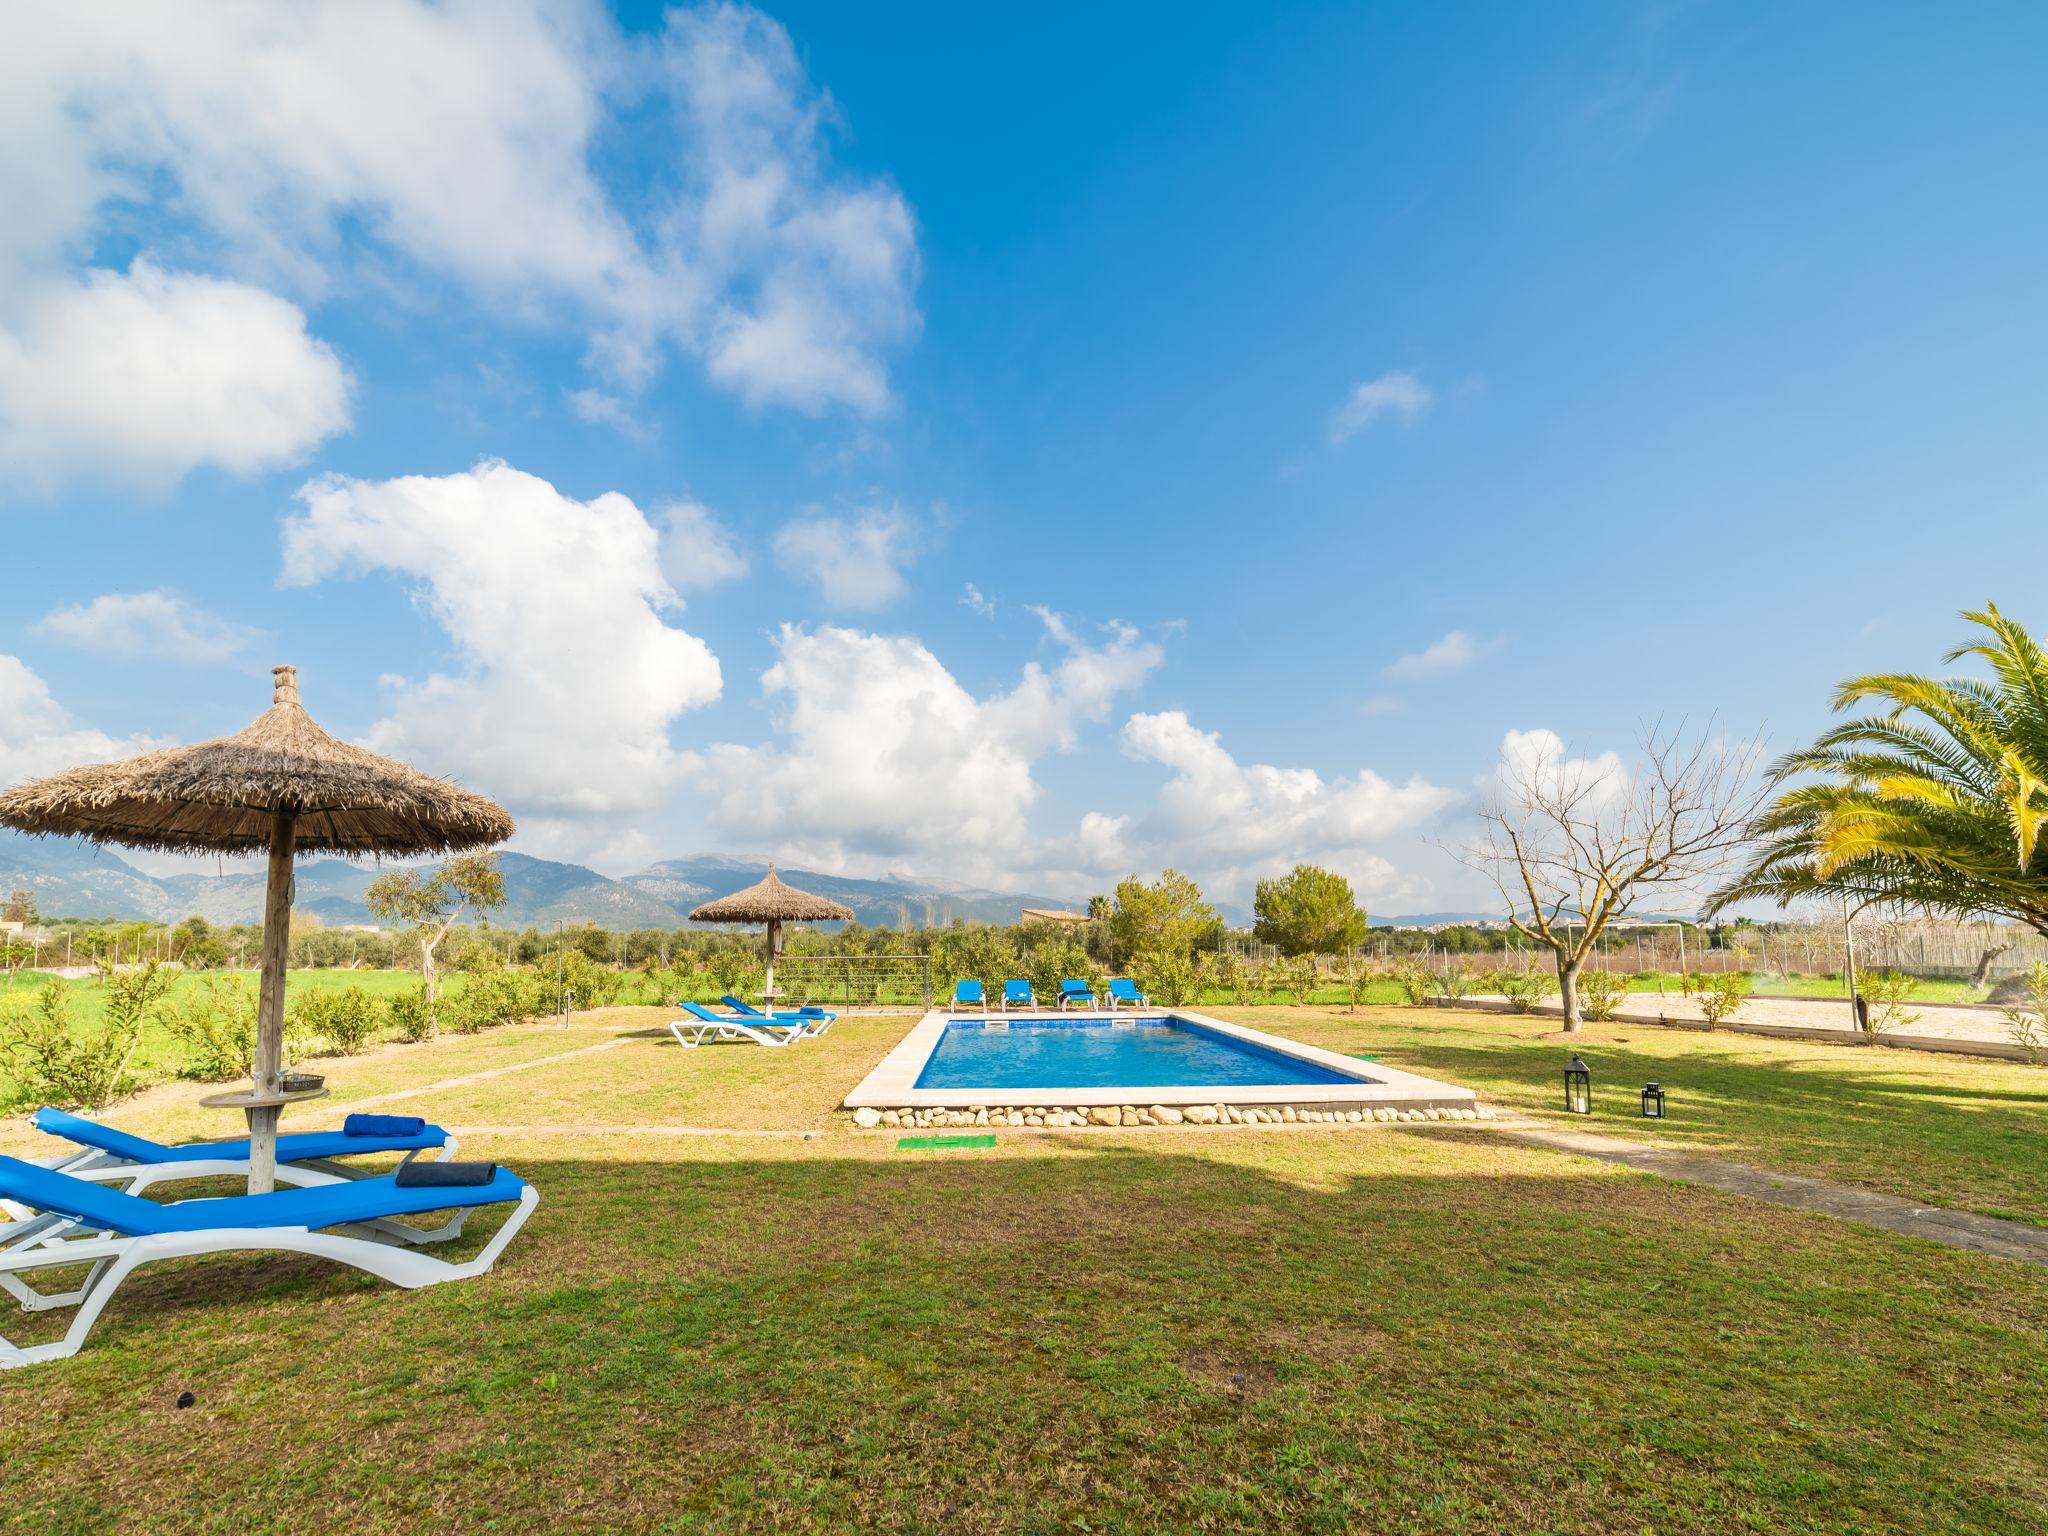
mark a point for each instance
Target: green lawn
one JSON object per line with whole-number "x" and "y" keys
{"x": 1384, "y": 1329}
{"x": 1950, "y": 1130}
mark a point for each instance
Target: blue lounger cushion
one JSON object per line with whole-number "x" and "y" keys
{"x": 383, "y": 1125}
{"x": 808, "y": 1011}
{"x": 324, "y": 1205}
{"x": 300, "y": 1147}
{"x": 751, "y": 1020}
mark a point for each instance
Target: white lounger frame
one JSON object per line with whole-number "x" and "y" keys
{"x": 693, "y": 1031}
{"x": 52, "y": 1242}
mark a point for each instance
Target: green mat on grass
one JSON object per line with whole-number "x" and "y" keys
{"x": 917, "y": 1143}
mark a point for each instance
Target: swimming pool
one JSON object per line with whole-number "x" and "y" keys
{"x": 1082, "y": 1051}
{"x": 1163, "y": 1065}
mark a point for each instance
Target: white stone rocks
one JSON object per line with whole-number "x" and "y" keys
{"x": 867, "y": 1119}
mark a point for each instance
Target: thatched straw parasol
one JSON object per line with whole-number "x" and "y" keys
{"x": 281, "y": 785}
{"x": 769, "y": 901}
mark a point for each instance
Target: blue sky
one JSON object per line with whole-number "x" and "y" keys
{"x": 1015, "y": 449}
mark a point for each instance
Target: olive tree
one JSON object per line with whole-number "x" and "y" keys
{"x": 1167, "y": 917}
{"x": 1572, "y": 844}
{"x": 431, "y": 902}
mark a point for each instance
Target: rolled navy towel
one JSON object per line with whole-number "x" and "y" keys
{"x": 383, "y": 1125}
{"x": 418, "y": 1175}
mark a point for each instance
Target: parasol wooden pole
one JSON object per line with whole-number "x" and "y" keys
{"x": 268, "y": 1070}
{"x": 768, "y": 987}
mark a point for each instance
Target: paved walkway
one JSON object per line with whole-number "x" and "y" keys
{"x": 1938, "y": 1224}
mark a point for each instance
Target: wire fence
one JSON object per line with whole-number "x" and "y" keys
{"x": 1979, "y": 952}
{"x": 857, "y": 980}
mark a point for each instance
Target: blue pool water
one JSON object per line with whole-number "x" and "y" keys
{"x": 1078, "y": 1052}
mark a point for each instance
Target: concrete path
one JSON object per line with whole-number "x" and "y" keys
{"x": 1956, "y": 1229}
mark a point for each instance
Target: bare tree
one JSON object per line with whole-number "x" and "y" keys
{"x": 1574, "y": 844}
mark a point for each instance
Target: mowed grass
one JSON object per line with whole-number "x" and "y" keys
{"x": 1950, "y": 1130}
{"x": 1386, "y": 1329}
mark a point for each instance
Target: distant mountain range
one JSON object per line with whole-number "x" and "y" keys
{"x": 77, "y": 879}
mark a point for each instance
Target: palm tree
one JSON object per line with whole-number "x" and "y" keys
{"x": 1938, "y": 801}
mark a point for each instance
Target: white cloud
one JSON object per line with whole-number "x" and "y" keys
{"x": 1396, "y": 392}
{"x": 886, "y": 759}
{"x": 338, "y": 145}
{"x": 971, "y": 598}
{"x": 1537, "y": 762}
{"x": 570, "y": 678}
{"x": 141, "y": 376}
{"x": 697, "y": 550}
{"x": 1453, "y": 652}
{"x": 1382, "y": 704}
{"x": 854, "y": 562}
{"x": 158, "y": 623}
{"x": 1232, "y": 823}
{"x": 602, "y": 409}
{"x": 38, "y": 735}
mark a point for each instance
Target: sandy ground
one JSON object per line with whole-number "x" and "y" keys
{"x": 1937, "y": 1021}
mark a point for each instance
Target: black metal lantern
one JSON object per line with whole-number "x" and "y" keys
{"x": 1578, "y": 1087}
{"x": 1653, "y": 1102}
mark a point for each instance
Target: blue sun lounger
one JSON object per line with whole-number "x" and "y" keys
{"x": 1018, "y": 994}
{"x": 1076, "y": 994}
{"x": 820, "y": 1020}
{"x": 968, "y": 996}
{"x": 780, "y": 1029}
{"x": 83, "y": 1221}
{"x": 1123, "y": 990}
{"x": 808, "y": 1010}
{"x": 360, "y": 1135}
{"x": 134, "y": 1163}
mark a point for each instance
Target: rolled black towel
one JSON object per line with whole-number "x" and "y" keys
{"x": 419, "y": 1175}
{"x": 383, "y": 1125}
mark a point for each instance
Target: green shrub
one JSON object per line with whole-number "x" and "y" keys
{"x": 52, "y": 1061}
{"x": 345, "y": 1020}
{"x": 1600, "y": 993}
{"x": 1418, "y": 983}
{"x": 216, "y": 1025}
{"x": 1885, "y": 993}
{"x": 1055, "y": 960}
{"x": 1167, "y": 977}
{"x": 598, "y": 986}
{"x": 1720, "y": 995}
{"x": 2027, "y": 1021}
{"x": 1359, "y": 976}
{"x": 411, "y": 1016}
{"x": 1304, "y": 976}
{"x": 1525, "y": 987}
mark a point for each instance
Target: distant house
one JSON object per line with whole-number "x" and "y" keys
{"x": 12, "y": 930}
{"x": 1052, "y": 915}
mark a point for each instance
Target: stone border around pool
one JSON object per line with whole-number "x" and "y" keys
{"x": 1057, "y": 1117}
{"x": 1378, "y": 1087}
